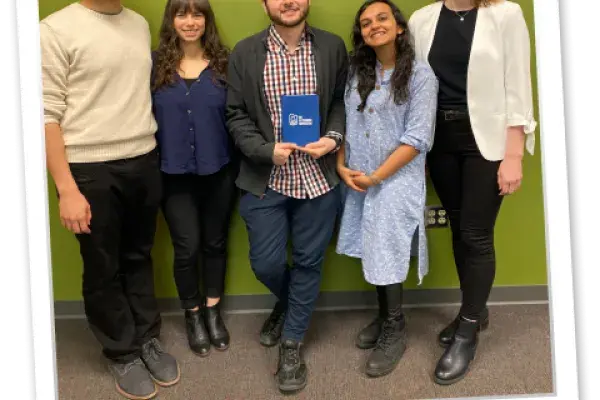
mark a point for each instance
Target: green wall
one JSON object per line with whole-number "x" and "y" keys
{"x": 521, "y": 253}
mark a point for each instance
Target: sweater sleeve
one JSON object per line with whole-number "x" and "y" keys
{"x": 55, "y": 69}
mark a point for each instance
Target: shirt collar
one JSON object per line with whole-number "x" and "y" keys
{"x": 274, "y": 38}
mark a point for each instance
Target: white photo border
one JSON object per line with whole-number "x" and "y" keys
{"x": 552, "y": 126}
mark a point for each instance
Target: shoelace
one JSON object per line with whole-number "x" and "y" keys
{"x": 274, "y": 322}
{"x": 153, "y": 349}
{"x": 384, "y": 341}
{"x": 291, "y": 356}
{"x": 127, "y": 367}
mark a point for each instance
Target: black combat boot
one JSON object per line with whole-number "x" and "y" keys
{"x": 454, "y": 363}
{"x": 367, "y": 337}
{"x": 391, "y": 343}
{"x": 272, "y": 327}
{"x": 292, "y": 372}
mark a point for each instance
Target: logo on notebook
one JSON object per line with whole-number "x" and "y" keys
{"x": 295, "y": 120}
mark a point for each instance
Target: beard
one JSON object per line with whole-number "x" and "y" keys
{"x": 289, "y": 24}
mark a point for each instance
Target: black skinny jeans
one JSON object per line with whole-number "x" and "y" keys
{"x": 467, "y": 185}
{"x": 198, "y": 210}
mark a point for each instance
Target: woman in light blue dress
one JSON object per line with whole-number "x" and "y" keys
{"x": 391, "y": 106}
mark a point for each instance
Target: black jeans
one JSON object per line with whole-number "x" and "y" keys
{"x": 309, "y": 223}
{"x": 467, "y": 185}
{"x": 118, "y": 280}
{"x": 198, "y": 211}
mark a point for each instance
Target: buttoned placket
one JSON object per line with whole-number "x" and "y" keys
{"x": 289, "y": 71}
{"x": 191, "y": 164}
{"x": 379, "y": 83}
{"x": 291, "y": 59}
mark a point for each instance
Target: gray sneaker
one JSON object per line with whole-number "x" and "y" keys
{"x": 162, "y": 366}
{"x": 133, "y": 380}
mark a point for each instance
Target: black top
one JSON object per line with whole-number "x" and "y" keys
{"x": 449, "y": 56}
{"x": 189, "y": 81}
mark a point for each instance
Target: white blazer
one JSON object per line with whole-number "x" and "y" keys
{"x": 499, "y": 91}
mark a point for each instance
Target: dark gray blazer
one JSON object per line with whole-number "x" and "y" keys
{"x": 247, "y": 113}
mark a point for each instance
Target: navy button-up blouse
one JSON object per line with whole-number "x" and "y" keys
{"x": 192, "y": 135}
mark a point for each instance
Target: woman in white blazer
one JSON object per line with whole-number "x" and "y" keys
{"x": 480, "y": 53}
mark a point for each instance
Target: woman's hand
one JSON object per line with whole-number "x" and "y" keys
{"x": 510, "y": 175}
{"x": 348, "y": 176}
{"x": 510, "y": 172}
{"x": 364, "y": 182}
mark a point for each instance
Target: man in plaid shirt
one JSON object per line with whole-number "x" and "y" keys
{"x": 289, "y": 192}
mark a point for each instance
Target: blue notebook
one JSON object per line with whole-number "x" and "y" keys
{"x": 300, "y": 119}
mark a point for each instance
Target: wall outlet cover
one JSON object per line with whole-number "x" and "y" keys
{"x": 435, "y": 217}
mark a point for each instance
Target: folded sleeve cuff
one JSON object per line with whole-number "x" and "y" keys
{"x": 529, "y": 125}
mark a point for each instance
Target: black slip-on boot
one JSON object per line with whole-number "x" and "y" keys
{"x": 198, "y": 337}
{"x": 454, "y": 363}
{"x": 445, "y": 336}
{"x": 219, "y": 336}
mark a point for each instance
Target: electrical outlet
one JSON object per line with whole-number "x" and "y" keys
{"x": 435, "y": 217}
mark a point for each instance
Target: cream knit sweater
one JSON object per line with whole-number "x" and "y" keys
{"x": 96, "y": 83}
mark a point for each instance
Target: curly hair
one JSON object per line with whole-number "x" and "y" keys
{"x": 363, "y": 59}
{"x": 169, "y": 53}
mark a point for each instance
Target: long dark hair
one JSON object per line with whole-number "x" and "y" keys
{"x": 363, "y": 59}
{"x": 169, "y": 53}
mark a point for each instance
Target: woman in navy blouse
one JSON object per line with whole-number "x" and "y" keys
{"x": 189, "y": 93}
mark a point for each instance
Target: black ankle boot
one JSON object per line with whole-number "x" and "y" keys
{"x": 454, "y": 363}
{"x": 219, "y": 336}
{"x": 292, "y": 372}
{"x": 367, "y": 337}
{"x": 197, "y": 335}
{"x": 446, "y": 335}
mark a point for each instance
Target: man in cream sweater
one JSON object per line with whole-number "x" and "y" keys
{"x": 101, "y": 153}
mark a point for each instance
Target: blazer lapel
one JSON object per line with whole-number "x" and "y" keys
{"x": 259, "y": 71}
{"x": 319, "y": 67}
{"x": 429, "y": 29}
{"x": 476, "y": 44}
{"x": 482, "y": 46}
{"x": 320, "y": 70}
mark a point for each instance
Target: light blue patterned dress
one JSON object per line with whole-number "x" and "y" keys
{"x": 379, "y": 226}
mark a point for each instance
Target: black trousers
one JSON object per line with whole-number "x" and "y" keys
{"x": 118, "y": 280}
{"x": 198, "y": 212}
{"x": 467, "y": 185}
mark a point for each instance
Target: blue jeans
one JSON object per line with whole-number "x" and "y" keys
{"x": 273, "y": 219}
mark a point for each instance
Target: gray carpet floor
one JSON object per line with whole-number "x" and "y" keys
{"x": 514, "y": 357}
